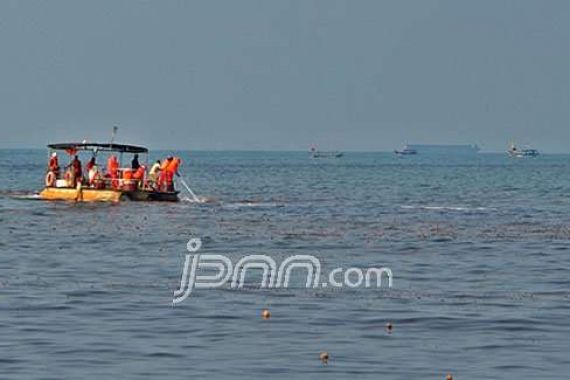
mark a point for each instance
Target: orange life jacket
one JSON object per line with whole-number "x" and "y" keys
{"x": 53, "y": 164}
{"x": 112, "y": 165}
{"x": 139, "y": 173}
{"x": 173, "y": 166}
{"x": 165, "y": 165}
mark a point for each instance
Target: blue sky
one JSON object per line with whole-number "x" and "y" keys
{"x": 349, "y": 75}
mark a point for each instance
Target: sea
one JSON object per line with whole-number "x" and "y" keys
{"x": 478, "y": 247}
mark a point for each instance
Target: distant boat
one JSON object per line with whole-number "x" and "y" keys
{"x": 407, "y": 151}
{"x": 315, "y": 153}
{"x": 517, "y": 152}
{"x": 444, "y": 149}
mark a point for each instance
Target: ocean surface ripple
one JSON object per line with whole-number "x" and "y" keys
{"x": 479, "y": 248}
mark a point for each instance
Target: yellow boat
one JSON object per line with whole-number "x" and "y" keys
{"x": 100, "y": 186}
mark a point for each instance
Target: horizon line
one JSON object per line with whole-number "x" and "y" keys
{"x": 279, "y": 150}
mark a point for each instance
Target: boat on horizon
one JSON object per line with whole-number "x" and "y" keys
{"x": 517, "y": 152}
{"x": 315, "y": 153}
{"x": 61, "y": 185}
{"x": 407, "y": 151}
{"x": 444, "y": 149}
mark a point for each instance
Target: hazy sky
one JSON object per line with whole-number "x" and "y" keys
{"x": 237, "y": 74}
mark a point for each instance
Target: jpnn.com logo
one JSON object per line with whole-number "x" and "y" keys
{"x": 224, "y": 272}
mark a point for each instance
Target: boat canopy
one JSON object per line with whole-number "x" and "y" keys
{"x": 108, "y": 147}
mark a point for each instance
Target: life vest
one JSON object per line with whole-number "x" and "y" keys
{"x": 165, "y": 164}
{"x": 139, "y": 173}
{"x": 173, "y": 165}
{"x": 127, "y": 174}
{"x": 53, "y": 164}
{"x": 112, "y": 165}
{"x": 114, "y": 182}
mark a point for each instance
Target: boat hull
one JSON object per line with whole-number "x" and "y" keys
{"x": 405, "y": 152}
{"x": 152, "y": 196}
{"x": 99, "y": 195}
{"x": 327, "y": 154}
{"x": 523, "y": 153}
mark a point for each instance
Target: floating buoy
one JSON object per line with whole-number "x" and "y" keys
{"x": 324, "y": 357}
{"x": 389, "y": 327}
{"x": 449, "y": 377}
{"x": 266, "y": 314}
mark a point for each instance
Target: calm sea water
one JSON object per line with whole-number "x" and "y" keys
{"x": 479, "y": 249}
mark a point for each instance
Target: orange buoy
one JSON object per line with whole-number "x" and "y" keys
{"x": 266, "y": 314}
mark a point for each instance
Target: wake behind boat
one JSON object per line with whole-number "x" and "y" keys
{"x": 116, "y": 183}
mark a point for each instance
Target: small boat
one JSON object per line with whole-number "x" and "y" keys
{"x": 443, "y": 149}
{"x": 319, "y": 154}
{"x": 517, "y": 152}
{"x": 101, "y": 186}
{"x": 407, "y": 151}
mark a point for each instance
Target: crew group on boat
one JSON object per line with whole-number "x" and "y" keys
{"x": 159, "y": 178}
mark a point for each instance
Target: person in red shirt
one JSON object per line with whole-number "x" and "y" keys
{"x": 90, "y": 164}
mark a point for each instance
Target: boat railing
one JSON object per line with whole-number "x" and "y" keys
{"x": 109, "y": 183}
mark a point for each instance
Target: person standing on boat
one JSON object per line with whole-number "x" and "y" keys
{"x": 77, "y": 170}
{"x": 90, "y": 164}
{"x": 113, "y": 170}
{"x": 135, "y": 162}
{"x": 162, "y": 180}
{"x": 154, "y": 172}
{"x": 171, "y": 171}
{"x": 112, "y": 166}
{"x": 93, "y": 175}
{"x": 53, "y": 165}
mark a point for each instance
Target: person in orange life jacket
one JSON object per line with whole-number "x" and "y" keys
{"x": 112, "y": 165}
{"x": 113, "y": 170}
{"x": 162, "y": 176}
{"x": 171, "y": 170}
{"x": 138, "y": 175}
